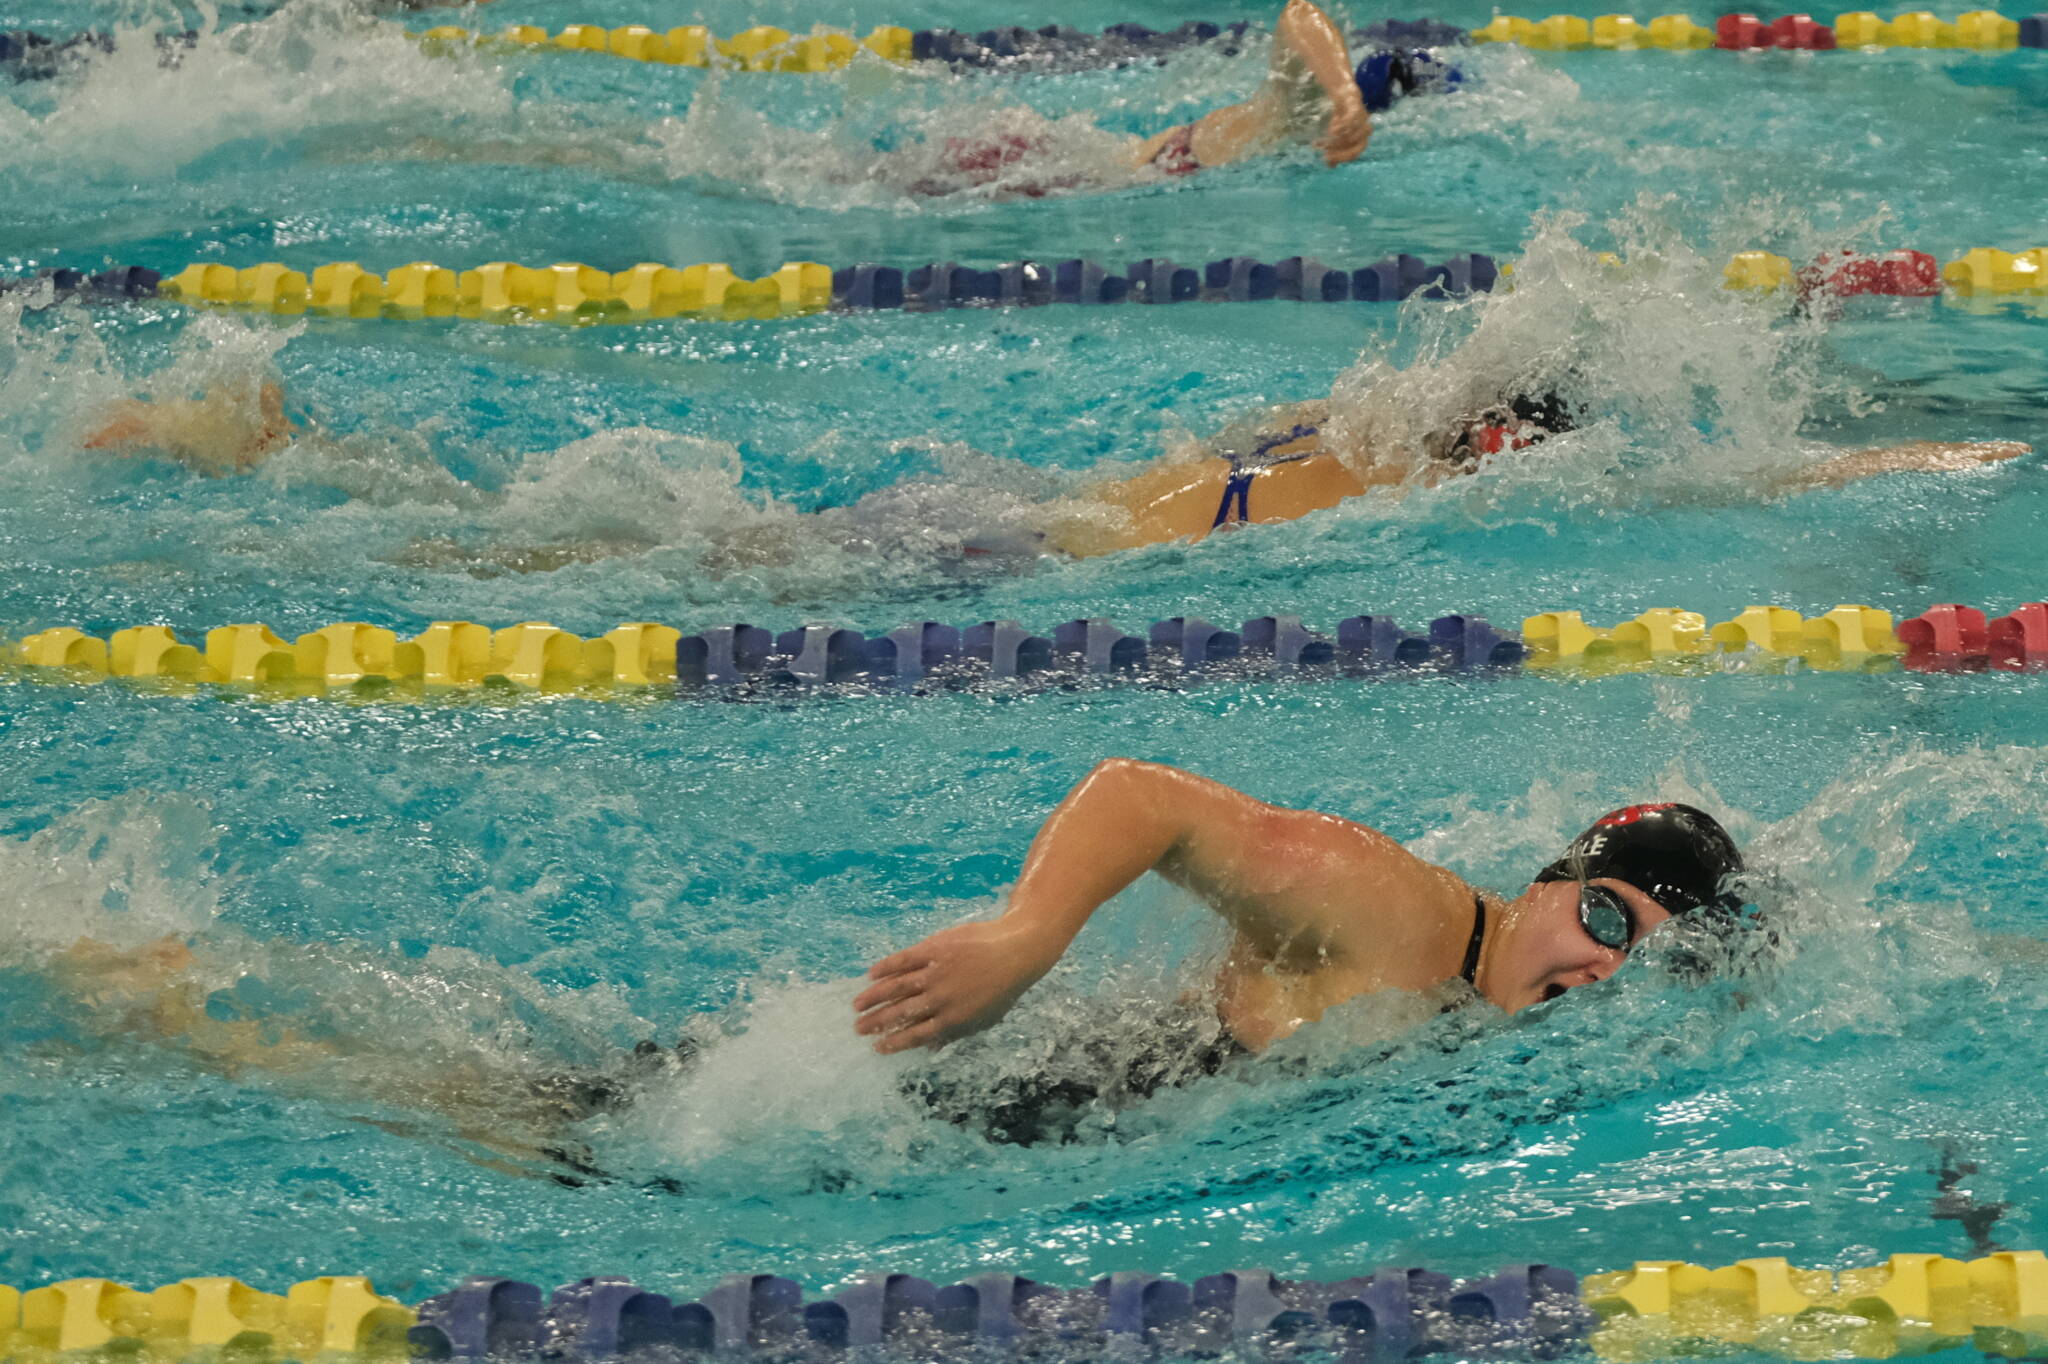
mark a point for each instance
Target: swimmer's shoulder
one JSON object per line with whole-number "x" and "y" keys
{"x": 1363, "y": 874}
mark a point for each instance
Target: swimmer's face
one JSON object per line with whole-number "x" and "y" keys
{"x": 1546, "y": 951}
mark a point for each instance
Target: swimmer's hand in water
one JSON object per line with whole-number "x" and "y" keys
{"x": 1350, "y": 128}
{"x": 956, "y": 982}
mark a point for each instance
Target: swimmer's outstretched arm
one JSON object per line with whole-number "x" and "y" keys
{"x": 1289, "y": 882}
{"x": 1307, "y": 48}
{"x": 1920, "y": 456}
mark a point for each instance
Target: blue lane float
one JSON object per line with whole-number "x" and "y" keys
{"x": 122, "y": 284}
{"x": 1059, "y": 43}
{"x": 931, "y": 653}
{"x": 1120, "y": 44}
{"x": 1528, "y": 1310}
{"x": 1159, "y": 280}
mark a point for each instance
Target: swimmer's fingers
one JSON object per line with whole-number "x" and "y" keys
{"x": 1991, "y": 451}
{"x": 957, "y": 981}
{"x": 900, "y": 986}
{"x": 925, "y": 1034}
{"x": 1349, "y": 130}
{"x": 889, "y": 1024}
{"x": 909, "y": 959}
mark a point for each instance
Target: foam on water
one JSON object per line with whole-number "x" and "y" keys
{"x": 313, "y": 65}
{"x": 125, "y": 871}
{"x": 1694, "y": 389}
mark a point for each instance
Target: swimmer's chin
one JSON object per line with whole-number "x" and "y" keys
{"x": 1548, "y": 994}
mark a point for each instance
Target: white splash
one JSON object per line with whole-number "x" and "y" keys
{"x": 314, "y": 65}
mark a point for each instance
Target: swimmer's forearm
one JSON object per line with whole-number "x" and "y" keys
{"x": 1309, "y": 32}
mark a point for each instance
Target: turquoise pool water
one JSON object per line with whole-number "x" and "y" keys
{"x": 475, "y": 896}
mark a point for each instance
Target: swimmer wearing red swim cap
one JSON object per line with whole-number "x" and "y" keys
{"x": 1321, "y": 910}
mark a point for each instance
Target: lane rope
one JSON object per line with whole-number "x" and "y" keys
{"x": 577, "y": 293}
{"x": 1911, "y": 1304}
{"x": 538, "y": 656}
{"x": 574, "y": 293}
{"x": 27, "y": 55}
{"x": 768, "y": 48}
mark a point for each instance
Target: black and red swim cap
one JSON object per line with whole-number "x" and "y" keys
{"x": 1678, "y": 855}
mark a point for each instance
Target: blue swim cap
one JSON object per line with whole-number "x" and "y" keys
{"x": 1377, "y": 81}
{"x": 1386, "y": 75}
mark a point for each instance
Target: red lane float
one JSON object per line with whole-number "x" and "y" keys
{"x": 2019, "y": 642}
{"x": 1792, "y": 32}
{"x": 1798, "y": 32}
{"x": 1946, "y": 638}
{"x": 1896, "y": 274}
{"x": 1956, "y": 638}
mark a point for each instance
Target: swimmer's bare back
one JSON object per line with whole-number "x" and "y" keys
{"x": 1190, "y": 499}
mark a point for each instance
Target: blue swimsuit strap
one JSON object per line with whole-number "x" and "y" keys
{"x": 1238, "y": 489}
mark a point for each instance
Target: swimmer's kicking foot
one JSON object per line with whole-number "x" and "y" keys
{"x": 1321, "y": 909}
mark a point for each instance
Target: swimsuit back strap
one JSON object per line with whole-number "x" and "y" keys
{"x": 1471, "y": 966}
{"x": 1237, "y": 489}
{"x": 1285, "y": 438}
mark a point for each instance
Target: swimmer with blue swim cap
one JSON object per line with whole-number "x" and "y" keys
{"x": 1321, "y": 910}
{"x": 1311, "y": 91}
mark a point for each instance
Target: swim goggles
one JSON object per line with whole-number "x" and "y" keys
{"x": 1606, "y": 917}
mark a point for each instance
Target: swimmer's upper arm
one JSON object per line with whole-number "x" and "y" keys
{"x": 1290, "y": 881}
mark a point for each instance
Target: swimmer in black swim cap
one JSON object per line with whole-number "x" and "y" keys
{"x": 1321, "y": 909}
{"x": 1678, "y": 855}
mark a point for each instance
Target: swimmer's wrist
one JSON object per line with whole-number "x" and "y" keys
{"x": 1035, "y": 940}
